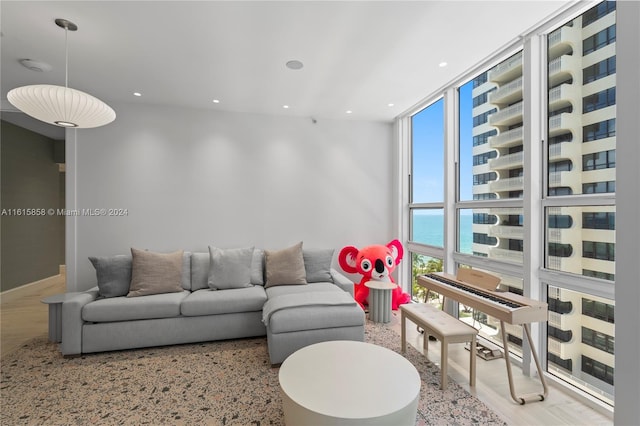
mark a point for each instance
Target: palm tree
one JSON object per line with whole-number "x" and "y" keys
{"x": 421, "y": 265}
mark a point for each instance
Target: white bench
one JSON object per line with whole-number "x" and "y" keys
{"x": 443, "y": 327}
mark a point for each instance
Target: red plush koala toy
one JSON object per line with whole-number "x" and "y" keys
{"x": 374, "y": 263}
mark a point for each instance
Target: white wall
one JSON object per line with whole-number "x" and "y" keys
{"x": 192, "y": 178}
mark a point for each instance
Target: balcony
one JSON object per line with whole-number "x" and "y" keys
{"x": 509, "y": 281}
{"x": 480, "y": 189}
{"x": 514, "y": 330}
{"x": 558, "y": 348}
{"x": 564, "y": 40}
{"x": 508, "y": 184}
{"x": 507, "y": 94}
{"x": 566, "y": 178}
{"x": 509, "y": 161}
{"x": 504, "y": 211}
{"x": 563, "y": 69}
{"x": 507, "y": 71}
{"x": 504, "y": 254}
{"x": 560, "y": 294}
{"x": 563, "y": 123}
{"x": 565, "y": 236}
{"x": 480, "y": 248}
{"x": 565, "y": 264}
{"x": 561, "y": 321}
{"x": 503, "y": 231}
{"x": 565, "y": 150}
{"x": 554, "y": 235}
{"x": 508, "y": 116}
{"x": 507, "y": 139}
{"x": 563, "y": 96}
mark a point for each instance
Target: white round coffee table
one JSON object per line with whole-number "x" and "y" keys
{"x": 348, "y": 383}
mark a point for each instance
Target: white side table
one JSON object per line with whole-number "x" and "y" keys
{"x": 380, "y": 300}
{"x": 347, "y": 382}
{"x": 55, "y": 314}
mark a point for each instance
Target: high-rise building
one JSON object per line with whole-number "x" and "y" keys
{"x": 581, "y": 152}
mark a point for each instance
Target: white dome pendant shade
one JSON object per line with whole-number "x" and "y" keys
{"x": 62, "y": 106}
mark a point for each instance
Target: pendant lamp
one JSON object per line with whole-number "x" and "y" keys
{"x": 62, "y": 106}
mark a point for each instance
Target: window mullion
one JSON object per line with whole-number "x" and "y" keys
{"x": 450, "y": 178}
{"x": 533, "y": 89}
{"x": 403, "y": 192}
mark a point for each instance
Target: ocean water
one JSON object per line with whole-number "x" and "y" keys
{"x": 429, "y": 229}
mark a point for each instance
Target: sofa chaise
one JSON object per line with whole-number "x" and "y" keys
{"x": 293, "y": 296}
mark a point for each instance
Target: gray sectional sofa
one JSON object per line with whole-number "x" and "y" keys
{"x": 293, "y": 296}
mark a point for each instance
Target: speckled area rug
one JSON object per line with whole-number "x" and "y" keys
{"x": 214, "y": 383}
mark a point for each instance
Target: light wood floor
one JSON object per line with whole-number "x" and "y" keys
{"x": 23, "y": 317}
{"x": 22, "y": 314}
{"x": 492, "y": 387}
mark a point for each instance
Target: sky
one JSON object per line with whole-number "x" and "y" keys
{"x": 428, "y": 149}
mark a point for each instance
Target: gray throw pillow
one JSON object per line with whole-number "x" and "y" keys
{"x": 199, "y": 271}
{"x": 284, "y": 267}
{"x": 230, "y": 268}
{"x": 155, "y": 273}
{"x": 185, "y": 281}
{"x": 317, "y": 263}
{"x": 257, "y": 267}
{"x": 113, "y": 274}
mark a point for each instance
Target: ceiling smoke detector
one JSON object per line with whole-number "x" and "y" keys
{"x": 35, "y": 65}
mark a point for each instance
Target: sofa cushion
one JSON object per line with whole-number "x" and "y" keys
{"x": 229, "y": 268}
{"x": 290, "y": 289}
{"x": 315, "y": 317}
{"x": 199, "y": 271}
{"x": 115, "y": 309}
{"x": 155, "y": 273}
{"x": 207, "y": 302}
{"x": 317, "y": 264}
{"x": 285, "y": 267}
{"x": 113, "y": 274}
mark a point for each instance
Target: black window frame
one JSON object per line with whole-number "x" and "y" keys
{"x": 599, "y": 70}
{"x": 599, "y": 160}
{"x": 599, "y": 40}
{"x": 599, "y": 100}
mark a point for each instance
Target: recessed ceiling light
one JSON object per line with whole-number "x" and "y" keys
{"x": 389, "y": 105}
{"x": 137, "y": 94}
{"x": 442, "y": 64}
{"x": 285, "y": 106}
{"x": 294, "y": 65}
{"x": 349, "y": 111}
{"x": 216, "y": 101}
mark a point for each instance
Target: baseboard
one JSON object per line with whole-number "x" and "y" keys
{"x": 17, "y": 293}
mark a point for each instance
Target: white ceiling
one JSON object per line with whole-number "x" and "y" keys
{"x": 358, "y": 55}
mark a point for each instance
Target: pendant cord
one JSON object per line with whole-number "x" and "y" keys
{"x": 66, "y": 57}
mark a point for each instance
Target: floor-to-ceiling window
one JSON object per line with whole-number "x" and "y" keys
{"x": 580, "y": 214}
{"x": 491, "y": 182}
{"x": 516, "y": 123}
{"x": 427, "y": 193}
